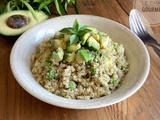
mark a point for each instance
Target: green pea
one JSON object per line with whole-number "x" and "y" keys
{"x": 51, "y": 73}
{"x": 72, "y": 85}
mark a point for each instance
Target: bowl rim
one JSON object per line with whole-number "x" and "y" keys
{"x": 76, "y": 106}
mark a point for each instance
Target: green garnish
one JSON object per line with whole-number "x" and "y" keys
{"x": 44, "y": 5}
{"x": 72, "y": 85}
{"x": 51, "y": 73}
{"x": 115, "y": 46}
{"x": 76, "y": 32}
{"x": 114, "y": 80}
{"x": 93, "y": 70}
{"x": 47, "y": 63}
{"x": 30, "y": 9}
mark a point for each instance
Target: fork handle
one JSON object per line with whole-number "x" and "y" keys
{"x": 156, "y": 48}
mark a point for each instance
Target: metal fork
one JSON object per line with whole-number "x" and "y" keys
{"x": 139, "y": 29}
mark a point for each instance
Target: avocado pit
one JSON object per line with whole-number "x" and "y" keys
{"x": 17, "y": 21}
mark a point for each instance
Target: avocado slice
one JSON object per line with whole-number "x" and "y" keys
{"x": 73, "y": 47}
{"x": 92, "y": 44}
{"x": 84, "y": 55}
{"x": 57, "y": 55}
{"x": 8, "y": 19}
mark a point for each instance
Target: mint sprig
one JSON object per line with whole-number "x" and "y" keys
{"x": 76, "y": 31}
{"x": 44, "y": 5}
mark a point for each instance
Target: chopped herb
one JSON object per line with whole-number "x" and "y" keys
{"x": 114, "y": 80}
{"x": 72, "y": 85}
{"x": 97, "y": 56}
{"x": 115, "y": 46}
{"x": 76, "y": 32}
{"x": 47, "y": 63}
{"x": 93, "y": 70}
{"x": 51, "y": 73}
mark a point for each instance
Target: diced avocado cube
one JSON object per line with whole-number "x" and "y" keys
{"x": 92, "y": 44}
{"x": 57, "y": 55}
{"x": 104, "y": 41}
{"x": 108, "y": 62}
{"x": 85, "y": 38}
{"x": 73, "y": 47}
{"x": 69, "y": 57}
{"x": 84, "y": 56}
{"x": 58, "y": 43}
{"x": 79, "y": 58}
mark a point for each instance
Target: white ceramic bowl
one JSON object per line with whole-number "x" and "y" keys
{"x": 28, "y": 42}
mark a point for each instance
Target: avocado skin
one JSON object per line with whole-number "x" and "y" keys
{"x": 7, "y": 31}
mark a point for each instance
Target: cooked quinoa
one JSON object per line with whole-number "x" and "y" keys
{"x": 86, "y": 80}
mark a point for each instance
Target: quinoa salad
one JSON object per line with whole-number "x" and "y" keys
{"x": 80, "y": 62}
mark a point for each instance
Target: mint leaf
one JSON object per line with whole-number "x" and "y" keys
{"x": 38, "y": 1}
{"x": 84, "y": 31}
{"x": 30, "y": 9}
{"x": 47, "y": 9}
{"x": 43, "y": 5}
{"x": 76, "y": 32}
{"x": 68, "y": 30}
{"x": 74, "y": 39}
{"x": 76, "y": 25}
{"x": 59, "y": 7}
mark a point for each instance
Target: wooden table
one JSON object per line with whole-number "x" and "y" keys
{"x": 17, "y": 104}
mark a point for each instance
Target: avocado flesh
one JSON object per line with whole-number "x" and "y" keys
{"x": 92, "y": 44}
{"x": 7, "y": 31}
{"x": 104, "y": 41}
{"x": 58, "y": 43}
{"x": 73, "y": 48}
{"x": 69, "y": 57}
{"x": 85, "y": 38}
{"x": 57, "y": 55}
{"x": 84, "y": 56}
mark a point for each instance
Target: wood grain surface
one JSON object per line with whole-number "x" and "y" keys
{"x": 17, "y": 104}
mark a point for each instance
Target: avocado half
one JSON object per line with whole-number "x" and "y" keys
{"x": 6, "y": 30}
